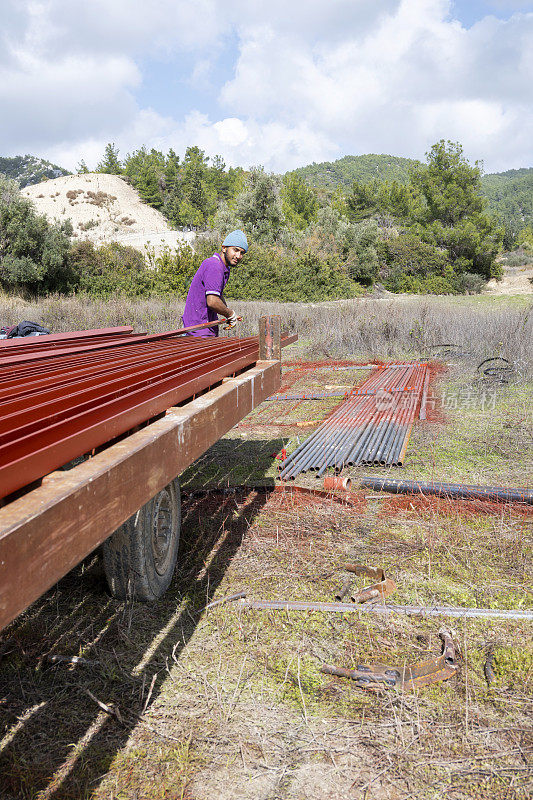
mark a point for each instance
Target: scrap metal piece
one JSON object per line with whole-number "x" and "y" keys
{"x": 336, "y": 483}
{"x": 365, "y": 676}
{"x": 377, "y": 677}
{"x": 380, "y": 590}
{"x": 343, "y": 591}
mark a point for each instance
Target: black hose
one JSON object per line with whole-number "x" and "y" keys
{"x": 450, "y": 490}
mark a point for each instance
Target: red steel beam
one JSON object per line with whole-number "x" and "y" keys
{"x": 17, "y": 414}
{"x": 48, "y": 531}
{"x": 42, "y": 430}
{"x": 51, "y": 338}
{"x": 28, "y": 459}
{"x": 64, "y": 375}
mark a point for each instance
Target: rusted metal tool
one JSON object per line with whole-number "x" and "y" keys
{"x": 378, "y": 677}
{"x": 376, "y": 591}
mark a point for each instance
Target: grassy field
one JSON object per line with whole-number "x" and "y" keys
{"x": 230, "y": 703}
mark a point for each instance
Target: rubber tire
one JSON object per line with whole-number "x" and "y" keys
{"x": 134, "y": 567}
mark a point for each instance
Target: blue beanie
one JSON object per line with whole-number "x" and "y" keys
{"x": 236, "y": 239}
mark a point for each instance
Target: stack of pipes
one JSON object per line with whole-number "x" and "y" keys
{"x": 373, "y": 426}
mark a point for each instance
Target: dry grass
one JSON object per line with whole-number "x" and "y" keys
{"x": 397, "y": 328}
{"x": 231, "y": 703}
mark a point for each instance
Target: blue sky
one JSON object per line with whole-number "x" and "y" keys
{"x": 468, "y": 12}
{"x": 267, "y": 83}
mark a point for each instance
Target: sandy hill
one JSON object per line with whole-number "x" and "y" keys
{"x": 104, "y": 208}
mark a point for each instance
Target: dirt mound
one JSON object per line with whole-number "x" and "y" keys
{"x": 104, "y": 208}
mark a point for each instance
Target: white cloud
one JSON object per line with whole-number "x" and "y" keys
{"x": 310, "y": 80}
{"x": 416, "y": 76}
{"x": 232, "y": 132}
{"x": 127, "y": 26}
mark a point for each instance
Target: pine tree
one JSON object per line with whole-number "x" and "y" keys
{"x": 110, "y": 163}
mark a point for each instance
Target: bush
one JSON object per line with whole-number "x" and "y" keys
{"x": 34, "y": 252}
{"x": 407, "y": 262}
{"x": 267, "y": 274}
{"x": 433, "y": 284}
{"x": 519, "y": 258}
{"x": 111, "y": 269}
{"x": 470, "y": 283}
{"x": 173, "y": 270}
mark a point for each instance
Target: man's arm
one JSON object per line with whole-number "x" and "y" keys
{"x": 217, "y": 304}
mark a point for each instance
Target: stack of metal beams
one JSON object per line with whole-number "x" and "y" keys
{"x": 372, "y": 426}
{"x": 63, "y": 396}
{"x": 32, "y": 344}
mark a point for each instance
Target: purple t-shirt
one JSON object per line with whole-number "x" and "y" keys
{"x": 211, "y": 278}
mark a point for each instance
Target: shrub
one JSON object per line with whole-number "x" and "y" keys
{"x": 111, "y": 269}
{"x": 33, "y": 254}
{"x": 407, "y": 261}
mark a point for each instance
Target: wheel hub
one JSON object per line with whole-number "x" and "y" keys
{"x": 162, "y": 524}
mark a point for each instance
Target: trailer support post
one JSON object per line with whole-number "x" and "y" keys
{"x": 270, "y": 338}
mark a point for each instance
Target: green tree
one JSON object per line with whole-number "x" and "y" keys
{"x": 258, "y": 207}
{"x": 33, "y": 251}
{"x": 450, "y": 186}
{"x": 110, "y": 163}
{"x": 300, "y": 204}
{"x": 199, "y": 196}
{"x": 379, "y": 198}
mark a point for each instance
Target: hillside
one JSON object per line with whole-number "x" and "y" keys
{"x": 103, "y": 208}
{"x": 28, "y": 170}
{"x": 509, "y": 194}
{"x": 344, "y": 171}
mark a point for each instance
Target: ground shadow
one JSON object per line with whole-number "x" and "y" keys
{"x": 57, "y": 741}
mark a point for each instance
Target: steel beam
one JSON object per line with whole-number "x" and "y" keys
{"x": 45, "y": 533}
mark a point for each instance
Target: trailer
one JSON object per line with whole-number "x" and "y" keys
{"x": 126, "y": 497}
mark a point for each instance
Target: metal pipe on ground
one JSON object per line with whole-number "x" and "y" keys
{"x": 378, "y": 608}
{"x": 312, "y": 442}
{"x": 450, "y": 490}
{"x": 352, "y": 436}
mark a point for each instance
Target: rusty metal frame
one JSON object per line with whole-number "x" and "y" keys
{"x": 48, "y": 531}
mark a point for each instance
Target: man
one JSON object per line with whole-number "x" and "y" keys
{"x": 205, "y": 299}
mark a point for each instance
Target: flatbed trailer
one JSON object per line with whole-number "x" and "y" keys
{"x": 125, "y": 497}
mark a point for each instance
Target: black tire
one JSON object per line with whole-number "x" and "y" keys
{"x": 140, "y": 557}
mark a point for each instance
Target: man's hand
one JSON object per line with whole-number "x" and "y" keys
{"x": 232, "y": 320}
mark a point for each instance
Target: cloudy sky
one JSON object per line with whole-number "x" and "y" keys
{"x": 280, "y": 82}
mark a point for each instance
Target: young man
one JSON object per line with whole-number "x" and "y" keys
{"x": 205, "y": 299}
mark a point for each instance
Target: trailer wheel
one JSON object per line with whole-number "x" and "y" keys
{"x": 140, "y": 557}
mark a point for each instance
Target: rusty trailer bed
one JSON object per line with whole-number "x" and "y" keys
{"x": 50, "y": 529}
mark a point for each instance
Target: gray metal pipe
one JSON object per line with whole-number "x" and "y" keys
{"x": 378, "y": 608}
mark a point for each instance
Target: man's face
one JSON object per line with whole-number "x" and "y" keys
{"x": 232, "y": 255}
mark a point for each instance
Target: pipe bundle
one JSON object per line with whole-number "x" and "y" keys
{"x": 371, "y": 427}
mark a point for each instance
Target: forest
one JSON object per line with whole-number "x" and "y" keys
{"x": 326, "y": 231}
